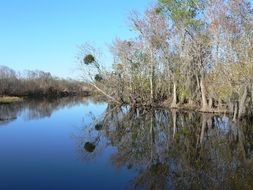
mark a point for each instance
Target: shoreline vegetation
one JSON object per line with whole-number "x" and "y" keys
{"x": 10, "y": 99}
{"x": 15, "y": 87}
{"x": 192, "y": 55}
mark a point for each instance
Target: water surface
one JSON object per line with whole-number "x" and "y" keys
{"x": 84, "y": 144}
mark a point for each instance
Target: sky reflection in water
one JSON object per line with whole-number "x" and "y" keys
{"x": 74, "y": 144}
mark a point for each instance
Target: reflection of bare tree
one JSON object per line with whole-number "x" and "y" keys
{"x": 90, "y": 142}
{"x": 41, "y": 108}
{"x": 179, "y": 150}
{"x": 36, "y": 108}
{"x": 9, "y": 112}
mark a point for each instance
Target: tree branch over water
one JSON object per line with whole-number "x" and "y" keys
{"x": 186, "y": 54}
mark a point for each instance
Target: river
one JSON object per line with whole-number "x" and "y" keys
{"x": 74, "y": 143}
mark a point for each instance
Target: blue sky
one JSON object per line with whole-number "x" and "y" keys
{"x": 45, "y": 34}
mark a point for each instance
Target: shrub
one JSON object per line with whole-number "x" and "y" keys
{"x": 88, "y": 59}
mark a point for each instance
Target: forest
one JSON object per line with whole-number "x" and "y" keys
{"x": 37, "y": 84}
{"x": 187, "y": 54}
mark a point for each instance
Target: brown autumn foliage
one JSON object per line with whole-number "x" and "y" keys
{"x": 37, "y": 83}
{"x": 190, "y": 54}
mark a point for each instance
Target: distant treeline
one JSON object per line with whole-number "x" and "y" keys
{"x": 37, "y": 84}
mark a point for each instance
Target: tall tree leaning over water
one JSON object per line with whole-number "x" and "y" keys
{"x": 190, "y": 54}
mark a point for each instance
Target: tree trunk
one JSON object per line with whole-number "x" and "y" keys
{"x": 210, "y": 102}
{"x": 202, "y": 134}
{"x": 151, "y": 89}
{"x": 174, "y": 118}
{"x": 174, "y": 101}
{"x": 203, "y": 95}
{"x": 252, "y": 93}
{"x": 242, "y": 103}
{"x": 107, "y": 95}
{"x": 151, "y": 136}
{"x": 198, "y": 83}
{"x": 235, "y": 112}
{"x": 151, "y": 79}
{"x": 219, "y": 104}
{"x": 230, "y": 106}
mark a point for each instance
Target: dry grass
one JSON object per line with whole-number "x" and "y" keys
{"x": 10, "y": 99}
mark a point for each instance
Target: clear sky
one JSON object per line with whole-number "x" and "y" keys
{"x": 45, "y": 34}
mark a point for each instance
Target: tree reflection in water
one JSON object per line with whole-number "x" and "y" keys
{"x": 36, "y": 108}
{"x": 176, "y": 150}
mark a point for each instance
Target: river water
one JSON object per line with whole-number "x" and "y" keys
{"x": 75, "y": 143}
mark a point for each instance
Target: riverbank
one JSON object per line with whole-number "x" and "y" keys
{"x": 10, "y": 99}
{"x": 195, "y": 108}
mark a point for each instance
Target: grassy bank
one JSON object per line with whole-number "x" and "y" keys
{"x": 10, "y": 99}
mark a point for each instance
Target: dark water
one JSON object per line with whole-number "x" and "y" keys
{"x": 83, "y": 144}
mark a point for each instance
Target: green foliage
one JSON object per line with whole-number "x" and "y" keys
{"x": 224, "y": 91}
{"x": 98, "y": 78}
{"x": 158, "y": 168}
{"x": 89, "y": 147}
{"x": 183, "y": 93}
{"x": 158, "y": 10}
{"x": 183, "y": 12}
{"x": 98, "y": 126}
{"x": 88, "y": 59}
